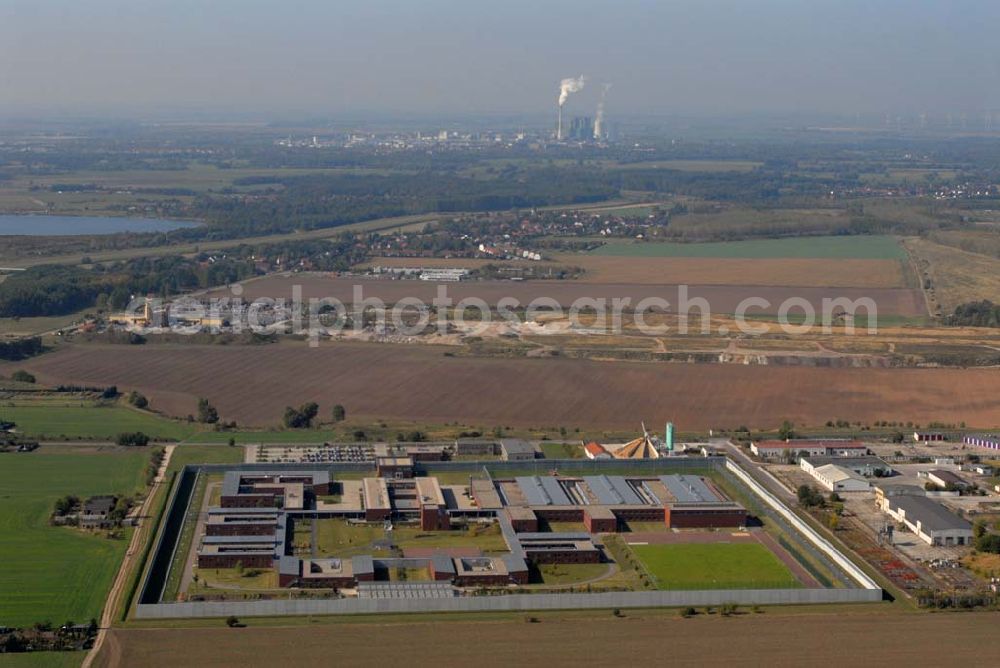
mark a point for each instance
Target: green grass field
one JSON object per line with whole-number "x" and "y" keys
{"x": 55, "y": 420}
{"x": 568, "y": 574}
{"x": 562, "y": 451}
{"x": 841, "y": 247}
{"x": 58, "y": 573}
{"x": 42, "y": 660}
{"x": 336, "y": 538}
{"x": 715, "y": 566}
{"x": 204, "y": 454}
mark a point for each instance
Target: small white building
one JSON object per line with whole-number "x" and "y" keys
{"x": 864, "y": 465}
{"x": 839, "y": 479}
{"x": 770, "y": 449}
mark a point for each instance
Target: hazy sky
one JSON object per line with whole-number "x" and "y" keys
{"x": 425, "y": 56}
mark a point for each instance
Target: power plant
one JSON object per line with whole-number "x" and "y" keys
{"x": 566, "y": 87}
{"x": 581, "y": 128}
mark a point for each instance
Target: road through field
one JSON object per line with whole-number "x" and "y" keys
{"x": 773, "y": 638}
{"x": 121, "y": 580}
{"x": 429, "y": 384}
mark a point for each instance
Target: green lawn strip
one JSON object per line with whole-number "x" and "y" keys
{"x": 204, "y": 454}
{"x": 42, "y": 660}
{"x": 568, "y": 574}
{"x": 265, "y": 437}
{"x": 562, "y": 450}
{"x": 150, "y": 528}
{"x": 58, "y": 573}
{"x": 83, "y": 420}
{"x": 828, "y": 247}
{"x": 187, "y": 536}
{"x": 715, "y": 566}
{"x": 337, "y": 538}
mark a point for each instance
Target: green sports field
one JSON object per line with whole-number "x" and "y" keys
{"x": 50, "y": 420}
{"x": 840, "y": 247}
{"x": 715, "y": 566}
{"x": 58, "y": 573}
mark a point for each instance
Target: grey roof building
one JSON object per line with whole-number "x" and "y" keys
{"x": 932, "y": 522}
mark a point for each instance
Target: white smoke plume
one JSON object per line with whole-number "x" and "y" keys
{"x": 599, "y": 120}
{"x": 571, "y": 85}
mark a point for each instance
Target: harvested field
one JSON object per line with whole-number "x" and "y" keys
{"x": 877, "y": 247}
{"x": 721, "y": 298}
{"x": 853, "y": 636}
{"x": 253, "y": 385}
{"x": 957, "y": 277}
{"x": 791, "y": 272}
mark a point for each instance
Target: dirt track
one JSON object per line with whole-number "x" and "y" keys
{"x": 254, "y": 384}
{"x": 121, "y": 579}
{"x": 771, "y": 638}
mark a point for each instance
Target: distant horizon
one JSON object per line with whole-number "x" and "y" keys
{"x": 121, "y": 58}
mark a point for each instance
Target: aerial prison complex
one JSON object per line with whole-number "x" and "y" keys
{"x": 254, "y": 523}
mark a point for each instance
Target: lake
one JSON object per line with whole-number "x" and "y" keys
{"x": 50, "y": 226}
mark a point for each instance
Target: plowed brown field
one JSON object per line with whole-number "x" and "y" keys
{"x": 721, "y": 298}
{"x": 253, "y": 385}
{"x": 638, "y": 638}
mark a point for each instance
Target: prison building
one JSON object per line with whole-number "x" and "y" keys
{"x": 602, "y": 502}
{"x": 442, "y": 567}
{"x": 559, "y": 548}
{"x": 433, "y": 507}
{"x": 247, "y": 551}
{"x": 269, "y": 489}
{"x": 425, "y": 453}
{"x": 325, "y": 573}
{"x": 928, "y": 436}
{"x": 378, "y": 504}
{"x": 488, "y": 571}
{"x": 394, "y": 467}
{"x": 241, "y": 521}
{"x": 600, "y": 519}
{"x": 523, "y": 520}
{"x": 485, "y": 494}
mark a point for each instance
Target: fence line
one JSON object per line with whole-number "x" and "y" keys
{"x": 822, "y": 543}
{"x": 510, "y": 603}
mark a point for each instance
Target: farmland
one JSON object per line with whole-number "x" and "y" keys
{"x": 378, "y": 381}
{"x": 722, "y": 298}
{"x": 714, "y": 566}
{"x": 55, "y": 419}
{"x": 956, "y": 276}
{"x": 562, "y": 638}
{"x": 841, "y": 247}
{"x": 58, "y": 573}
{"x": 790, "y": 272}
